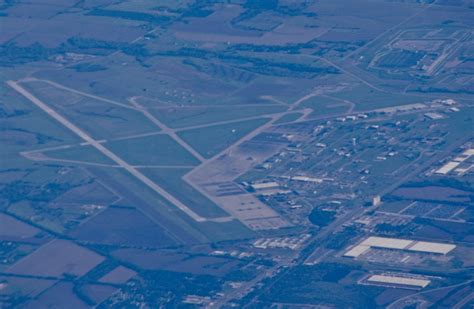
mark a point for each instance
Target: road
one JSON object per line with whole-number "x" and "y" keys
{"x": 112, "y": 156}
{"x": 406, "y": 298}
{"x": 352, "y": 215}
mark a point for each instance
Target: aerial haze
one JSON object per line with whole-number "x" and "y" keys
{"x": 237, "y": 154}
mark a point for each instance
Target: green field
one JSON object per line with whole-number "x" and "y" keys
{"x": 100, "y": 119}
{"x": 80, "y": 153}
{"x": 288, "y": 118}
{"x": 190, "y": 116}
{"x": 157, "y": 149}
{"x": 23, "y": 126}
{"x": 321, "y": 284}
{"x": 171, "y": 180}
{"x": 231, "y": 230}
{"x": 324, "y": 106}
{"x": 179, "y": 225}
{"x": 366, "y": 98}
{"x": 211, "y": 140}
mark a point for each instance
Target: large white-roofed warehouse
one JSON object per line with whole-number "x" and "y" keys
{"x": 399, "y": 244}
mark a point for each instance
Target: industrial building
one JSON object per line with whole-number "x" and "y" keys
{"x": 399, "y": 244}
{"x": 264, "y": 185}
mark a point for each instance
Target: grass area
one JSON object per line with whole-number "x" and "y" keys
{"x": 198, "y": 115}
{"x": 23, "y": 126}
{"x": 319, "y": 284}
{"x": 107, "y": 123}
{"x": 154, "y": 206}
{"x": 25, "y": 210}
{"x": 323, "y": 106}
{"x": 170, "y": 218}
{"x": 152, "y": 150}
{"x": 171, "y": 180}
{"x": 211, "y": 140}
{"x": 460, "y": 123}
{"x": 226, "y": 230}
{"x": 80, "y": 153}
{"x": 288, "y": 118}
{"x": 101, "y": 120}
{"x": 22, "y": 209}
{"x": 390, "y": 165}
{"x": 366, "y": 98}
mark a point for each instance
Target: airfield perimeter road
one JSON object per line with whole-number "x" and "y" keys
{"x": 132, "y": 170}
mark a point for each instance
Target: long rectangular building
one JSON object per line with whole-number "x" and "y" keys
{"x": 356, "y": 251}
{"x": 448, "y": 167}
{"x": 399, "y": 244}
{"x": 385, "y": 242}
{"x": 432, "y": 247}
{"x": 399, "y": 280}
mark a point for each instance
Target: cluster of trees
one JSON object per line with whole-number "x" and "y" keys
{"x": 321, "y": 217}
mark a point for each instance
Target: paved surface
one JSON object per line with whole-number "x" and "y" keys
{"x": 94, "y": 143}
